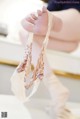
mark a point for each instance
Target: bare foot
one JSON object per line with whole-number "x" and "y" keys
{"x": 37, "y": 25}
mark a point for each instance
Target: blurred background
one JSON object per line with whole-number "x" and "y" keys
{"x": 65, "y": 66}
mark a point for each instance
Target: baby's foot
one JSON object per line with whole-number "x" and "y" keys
{"x": 37, "y": 24}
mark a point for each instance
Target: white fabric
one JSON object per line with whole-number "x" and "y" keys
{"x": 17, "y": 79}
{"x": 18, "y": 86}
